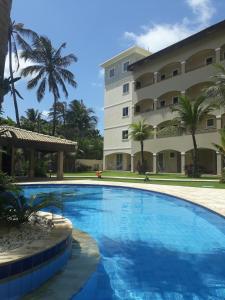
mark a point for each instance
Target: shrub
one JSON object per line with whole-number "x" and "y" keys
{"x": 222, "y": 179}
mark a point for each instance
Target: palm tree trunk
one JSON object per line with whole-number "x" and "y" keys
{"x": 195, "y": 156}
{"x": 12, "y": 81}
{"x": 142, "y": 156}
{"x": 5, "y": 8}
{"x": 54, "y": 116}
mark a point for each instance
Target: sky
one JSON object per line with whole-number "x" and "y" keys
{"x": 96, "y": 30}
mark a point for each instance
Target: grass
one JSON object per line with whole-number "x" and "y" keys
{"x": 199, "y": 184}
{"x": 136, "y": 175}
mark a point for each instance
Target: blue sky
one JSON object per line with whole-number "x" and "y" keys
{"x": 98, "y": 29}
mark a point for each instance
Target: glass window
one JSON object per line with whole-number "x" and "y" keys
{"x": 125, "y": 134}
{"x": 209, "y": 60}
{"x": 210, "y": 123}
{"x": 175, "y": 100}
{"x": 162, "y": 103}
{"x": 126, "y": 88}
{"x": 125, "y": 66}
{"x": 125, "y": 111}
{"x": 163, "y": 76}
{"x": 175, "y": 72}
{"x": 137, "y": 108}
{"x": 172, "y": 154}
{"x": 111, "y": 72}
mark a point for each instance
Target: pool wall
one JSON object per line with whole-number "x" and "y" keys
{"x": 18, "y": 278}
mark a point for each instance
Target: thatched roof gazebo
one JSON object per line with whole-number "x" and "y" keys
{"x": 14, "y": 137}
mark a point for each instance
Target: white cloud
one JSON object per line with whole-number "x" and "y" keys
{"x": 22, "y": 64}
{"x": 45, "y": 113}
{"x": 158, "y": 36}
{"x": 101, "y": 73}
{"x": 203, "y": 9}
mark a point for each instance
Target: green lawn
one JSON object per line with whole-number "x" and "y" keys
{"x": 209, "y": 184}
{"x": 131, "y": 174}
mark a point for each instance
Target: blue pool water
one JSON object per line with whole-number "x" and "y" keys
{"x": 153, "y": 246}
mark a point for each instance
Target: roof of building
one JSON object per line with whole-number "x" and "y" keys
{"x": 124, "y": 54}
{"x": 203, "y": 33}
{"x": 18, "y": 137}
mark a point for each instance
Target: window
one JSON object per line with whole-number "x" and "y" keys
{"x": 111, "y": 72}
{"x": 224, "y": 55}
{"x": 137, "y": 108}
{"x": 175, "y": 100}
{"x": 163, "y": 76}
{"x": 126, "y": 88}
{"x": 125, "y": 111}
{"x": 125, "y": 134}
{"x": 209, "y": 60}
{"x": 137, "y": 85}
{"x": 210, "y": 123}
{"x": 162, "y": 103}
{"x": 175, "y": 72}
{"x": 125, "y": 66}
{"x": 172, "y": 154}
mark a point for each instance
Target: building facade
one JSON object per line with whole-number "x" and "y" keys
{"x": 140, "y": 85}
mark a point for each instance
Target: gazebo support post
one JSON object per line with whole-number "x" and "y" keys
{"x": 1, "y": 158}
{"x": 31, "y": 164}
{"x": 60, "y": 165}
{"x": 13, "y": 151}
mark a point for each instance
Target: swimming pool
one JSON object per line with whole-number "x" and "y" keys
{"x": 152, "y": 246}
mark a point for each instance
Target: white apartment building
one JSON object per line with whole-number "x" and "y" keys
{"x": 144, "y": 85}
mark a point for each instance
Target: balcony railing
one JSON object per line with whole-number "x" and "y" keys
{"x": 169, "y": 131}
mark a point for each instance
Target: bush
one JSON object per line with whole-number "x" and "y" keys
{"x": 82, "y": 168}
{"x": 222, "y": 179}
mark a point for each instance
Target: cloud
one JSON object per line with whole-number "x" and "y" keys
{"x": 203, "y": 9}
{"x": 159, "y": 36}
{"x": 101, "y": 73}
{"x": 45, "y": 113}
{"x": 22, "y": 64}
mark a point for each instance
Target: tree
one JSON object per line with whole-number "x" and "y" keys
{"x": 221, "y": 149}
{"x": 191, "y": 112}
{"x": 32, "y": 120}
{"x": 50, "y": 68}
{"x": 16, "y": 34}
{"x": 5, "y": 9}
{"x": 60, "y": 115}
{"x": 217, "y": 89}
{"x": 140, "y": 131}
{"x": 80, "y": 120}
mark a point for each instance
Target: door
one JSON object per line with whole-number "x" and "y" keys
{"x": 160, "y": 162}
{"x": 119, "y": 161}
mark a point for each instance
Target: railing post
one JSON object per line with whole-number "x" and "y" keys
{"x": 155, "y": 104}
{"x": 218, "y": 122}
{"x": 155, "y": 77}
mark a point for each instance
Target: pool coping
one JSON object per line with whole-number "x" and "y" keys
{"x": 82, "y": 264}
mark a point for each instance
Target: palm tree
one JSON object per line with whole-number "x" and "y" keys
{"x": 80, "y": 119}
{"x": 191, "y": 112}
{"x": 217, "y": 89}
{"x": 5, "y": 9}
{"x": 140, "y": 131}
{"x": 50, "y": 69}
{"x": 32, "y": 120}
{"x": 221, "y": 149}
{"x": 16, "y": 34}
